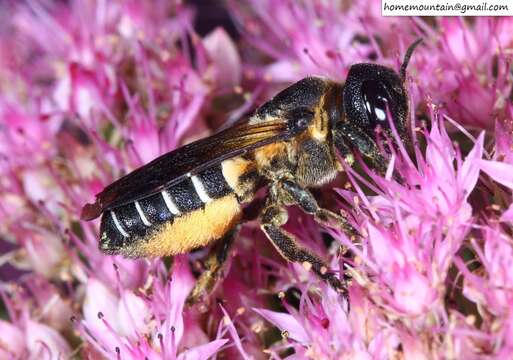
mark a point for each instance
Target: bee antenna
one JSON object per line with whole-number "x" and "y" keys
{"x": 407, "y": 58}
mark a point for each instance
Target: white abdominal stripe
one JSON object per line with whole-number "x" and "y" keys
{"x": 118, "y": 224}
{"x": 200, "y": 189}
{"x": 171, "y": 202}
{"x": 140, "y": 212}
{"x": 171, "y": 206}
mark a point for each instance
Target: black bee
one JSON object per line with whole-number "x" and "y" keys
{"x": 193, "y": 196}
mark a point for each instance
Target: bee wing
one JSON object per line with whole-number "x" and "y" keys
{"x": 175, "y": 166}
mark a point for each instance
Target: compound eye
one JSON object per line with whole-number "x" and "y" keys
{"x": 376, "y": 101}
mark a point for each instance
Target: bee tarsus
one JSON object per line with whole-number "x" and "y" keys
{"x": 214, "y": 267}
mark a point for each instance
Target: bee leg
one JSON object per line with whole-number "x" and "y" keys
{"x": 214, "y": 269}
{"x": 307, "y": 202}
{"x": 273, "y": 218}
{"x": 349, "y": 136}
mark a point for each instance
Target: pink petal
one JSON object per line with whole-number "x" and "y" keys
{"x": 12, "y": 341}
{"x": 203, "y": 351}
{"x": 45, "y": 252}
{"x": 498, "y": 171}
{"x": 282, "y": 71}
{"x": 233, "y": 333}
{"x": 469, "y": 172}
{"x": 384, "y": 252}
{"x": 100, "y": 299}
{"x": 508, "y": 214}
{"x": 133, "y": 315}
{"x": 412, "y": 291}
{"x": 460, "y": 41}
{"x": 180, "y": 286}
{"x": 285, "y": 322}
{"x": 225, "y": 57}
{"x": 44, "y": 342}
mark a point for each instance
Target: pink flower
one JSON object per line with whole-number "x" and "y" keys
{"x": 91, "y": 90}
{"x": 489, "y": 288}
{"x": 145, "y": 325}
{"x": 12, "y": 342}
{"x": 31, "y": 339}
{"x": 405, "y": 247}
{"x": 224, "y": 58}
{"x": 25, "y": 133}
{"x": 402, "y": 266}
{"x": 43, "y": 342}
{"x": 301, "y": 38}
{"x": 501, "y": 169}
{"x": 465, "y": 65}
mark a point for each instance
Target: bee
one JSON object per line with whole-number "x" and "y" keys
{"x": 193, "y": 196}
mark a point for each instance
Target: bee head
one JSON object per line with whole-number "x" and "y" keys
{"x": 373, "y": 93}
{"x": 373, "y": 97}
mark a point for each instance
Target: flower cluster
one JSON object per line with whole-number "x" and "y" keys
{"x": 90, "y": 90}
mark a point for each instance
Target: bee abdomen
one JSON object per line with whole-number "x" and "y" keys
{"x": 123, "y": 224}
{"x": 135, "y": 221}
